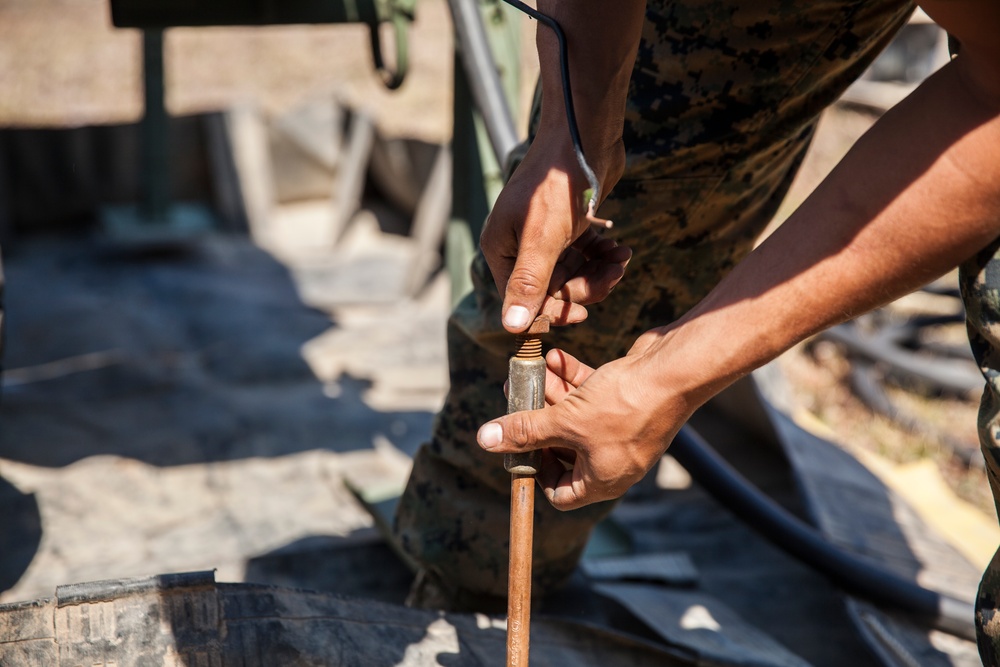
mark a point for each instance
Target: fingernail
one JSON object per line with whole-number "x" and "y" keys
{"x": 490, "y": 435}
{"x": 516, "y": 317}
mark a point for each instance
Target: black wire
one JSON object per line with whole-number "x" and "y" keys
{"x": 574, "y": 130}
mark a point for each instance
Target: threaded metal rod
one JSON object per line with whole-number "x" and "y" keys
{"x": 528, "y": 347}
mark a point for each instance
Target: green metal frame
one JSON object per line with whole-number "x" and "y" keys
{"x": 476, "y": 176}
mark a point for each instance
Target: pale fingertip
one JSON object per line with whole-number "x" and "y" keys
{"x": 516, "y": 317}
{"x": 490, "y": 435}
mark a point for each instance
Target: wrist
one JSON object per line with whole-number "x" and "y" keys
{"x": 599, "y": 78}
{"x": 689, "y": 361}
{"x": 599, "y": 119}
{"x": 552, "y": 141}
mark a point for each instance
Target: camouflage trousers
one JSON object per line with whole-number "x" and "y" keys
{"x": 722, "y": 104}
{"x": 979, "y": 278}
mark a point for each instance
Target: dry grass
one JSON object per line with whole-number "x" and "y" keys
{"x": 819, "y": 372}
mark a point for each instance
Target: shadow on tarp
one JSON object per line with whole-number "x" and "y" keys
{"x": 202, "y": 363}
{"x": 170, "y": 359}
{"x": 20, "y": 532}
{"x": 360, "y": 564}
{"x": 854, "y": 511}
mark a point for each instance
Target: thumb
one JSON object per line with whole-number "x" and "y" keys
{"x": 518, "y": 432}
{"x": 527, "y": 288}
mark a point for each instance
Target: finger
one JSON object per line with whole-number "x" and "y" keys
{"x": 561, "y": 312}
{"x": 588, "y": 273}
{"x": 592, "y": 284}
{"x": 587, "y": 245}
{"x": 553, "y": 464}
{"x": 564, "y": 373}
{"x": 570, "y": 262}
{"x": 619, "y": 254}
{"x": 592, "y": 245}
{"x": 527, "y": 288}
{"x": 563, "y": 488}
{"x": 550, "y": 469}
{"x": 556, "y": 388}
{"x": 521, "y": 432}
{"x": 591, "y": 251}
{"x": 591, "y": 241}
{"x": 500, "y": 267}
{"x": 567, "y": 367}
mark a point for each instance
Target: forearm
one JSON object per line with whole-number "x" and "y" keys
{"x": 915, "y": 197}
{"x": 602, "y": 38}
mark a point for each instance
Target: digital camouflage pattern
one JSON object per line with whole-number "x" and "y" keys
{"x": 722, "y": 105}
{"x": 979, "y": 278}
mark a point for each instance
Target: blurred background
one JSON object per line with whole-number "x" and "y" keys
{"x": 171, "y": 406}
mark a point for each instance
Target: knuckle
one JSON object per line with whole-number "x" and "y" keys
{"x": 525, "y": 282}
{"x": 488, "y": 248}
{"x": 520, "y": 431}
{"x": 487, "y": 232}
{"x": 565, "y": 499}
{"x": 563, "y": 505}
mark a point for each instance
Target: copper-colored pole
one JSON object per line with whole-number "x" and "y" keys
{"x": 522, "y": 509}
{"x": 525, "y": 391}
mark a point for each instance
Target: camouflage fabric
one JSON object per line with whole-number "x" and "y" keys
{"x": 722, "y": 105}
{"x": 980, "y": 282}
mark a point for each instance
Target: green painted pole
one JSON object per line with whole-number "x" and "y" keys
{"x": 477, "y": 176}
{"x": 154, "y": 201}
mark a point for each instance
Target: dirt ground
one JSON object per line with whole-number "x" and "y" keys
{"x": 63, "y": 64}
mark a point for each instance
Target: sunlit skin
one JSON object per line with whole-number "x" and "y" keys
{"x": 917, "y": 195}
{"x": 542, "y": 207}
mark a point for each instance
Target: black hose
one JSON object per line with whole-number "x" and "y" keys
{"x": 845, "y": 570}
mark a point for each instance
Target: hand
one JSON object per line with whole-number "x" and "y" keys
{"x": 601, "y": 430}
{"x": 543, "y": 252}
